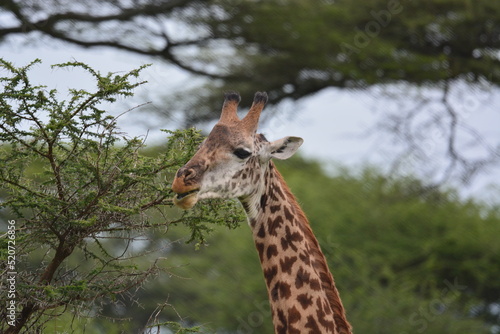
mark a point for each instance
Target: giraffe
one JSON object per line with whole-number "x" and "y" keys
{"x": 236, "y": 162}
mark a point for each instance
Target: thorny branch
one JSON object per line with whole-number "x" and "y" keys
{"x": 90, "y": 187}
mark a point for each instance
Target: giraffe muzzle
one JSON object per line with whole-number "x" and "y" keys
{"x": 186, "y": 188}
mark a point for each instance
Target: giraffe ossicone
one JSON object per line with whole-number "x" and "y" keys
{"x": 236, "y": 162}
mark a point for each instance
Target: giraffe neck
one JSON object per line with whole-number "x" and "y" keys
{"x": 301, "y": 289}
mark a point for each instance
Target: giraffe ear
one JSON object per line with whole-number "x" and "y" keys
{"x": 285, "y": 147}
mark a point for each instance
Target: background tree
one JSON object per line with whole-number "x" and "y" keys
{"x": 80, "y": 194}
{"x": 289, "y": 48}
{"x": 295, "y": 48}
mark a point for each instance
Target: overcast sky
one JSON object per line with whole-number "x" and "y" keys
{"x": 335, "y": 124}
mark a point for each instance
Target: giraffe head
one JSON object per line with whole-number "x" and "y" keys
{"x": 231, "y": 160}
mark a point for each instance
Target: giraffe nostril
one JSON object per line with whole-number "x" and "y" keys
{"x": 189, "y": 174}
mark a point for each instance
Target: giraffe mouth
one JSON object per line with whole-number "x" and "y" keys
{"x": 181, "y": 196}
{"x": 186, "y": 200}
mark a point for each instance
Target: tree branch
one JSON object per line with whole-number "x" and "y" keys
{"x": 48, "y": 26}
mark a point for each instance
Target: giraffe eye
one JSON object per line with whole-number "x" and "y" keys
{"x": 242, "y": 153}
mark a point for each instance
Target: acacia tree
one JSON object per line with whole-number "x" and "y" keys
{"x": 79, "y": 193}
{"x": 295, "y": 48}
